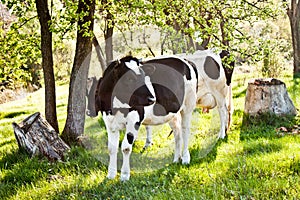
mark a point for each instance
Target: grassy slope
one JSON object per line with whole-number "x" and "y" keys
{"x": 254, "y": 162}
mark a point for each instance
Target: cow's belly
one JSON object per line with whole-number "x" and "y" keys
{"x": 151, "y": 119}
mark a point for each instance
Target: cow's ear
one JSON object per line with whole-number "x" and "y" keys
{"x": 149, "y": 69}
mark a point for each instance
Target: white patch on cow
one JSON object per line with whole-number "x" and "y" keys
{"x": 150, "y": 86}
{"x": 113, "y": 123}
{"x": 118, "y": 104}
{"x": 132, "y": 118}
{"x": 133, "y": 66}
{"x": 151, "y": 119}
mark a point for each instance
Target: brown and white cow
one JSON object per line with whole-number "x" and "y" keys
{"x": 155, "y": 92}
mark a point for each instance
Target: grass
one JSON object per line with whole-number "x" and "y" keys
{"x": 254, "y": 162}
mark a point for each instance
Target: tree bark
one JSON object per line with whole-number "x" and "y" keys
{"x": 100, "y": 57}
{"x": 268, "y": 96}
{"x": 294, "y": 16}
{"x": 37, "y": 137}
{"x": 47, "y": 63}
{"x": 109, "y": 30}
{"x": 74, "y": 126}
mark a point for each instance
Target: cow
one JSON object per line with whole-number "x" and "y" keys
{"x": 214, "y": 83}
{"x": 214, "y": 86}
{"x": 154, "y": 92}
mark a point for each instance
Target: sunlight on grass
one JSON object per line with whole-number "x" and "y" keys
{"x": 253, "y": 162}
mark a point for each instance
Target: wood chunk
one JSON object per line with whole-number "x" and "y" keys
{"x": 37, "y": 137}
{"x": 268, "y": 96}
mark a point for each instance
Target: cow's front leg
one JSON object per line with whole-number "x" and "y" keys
{"x": 132, "y": 127}
{"x": 113, "y": 144}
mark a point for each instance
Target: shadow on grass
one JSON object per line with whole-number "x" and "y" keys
{"x": 19, "y": 170}
{"x": 141, "y": 185}
{"x": 12, "y": 114}
{"x": 264, "y": 126}
{"x": 240, "y": 94}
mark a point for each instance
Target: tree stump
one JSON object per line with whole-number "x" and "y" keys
{"x": 268, "y": 96}
{"x": 38, "y": 137}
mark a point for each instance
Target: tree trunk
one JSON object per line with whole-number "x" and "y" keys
{"x": 109, "y": 30}
{"x": 294, "y": 17}
{"x": 74, "y": 126}
{"x": 268, "y": 96}
{"x": 47, "y": 63}
{"x": 37, "y": 137}
{"x": 100, "y": 57}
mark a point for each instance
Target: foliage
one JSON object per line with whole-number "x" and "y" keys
{"x": 19, "y": 53}
{"x": 183, "y": 27}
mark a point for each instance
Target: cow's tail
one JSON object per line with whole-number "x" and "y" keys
{"x": 229, "y": 105}
{"x": 228, "y": 65}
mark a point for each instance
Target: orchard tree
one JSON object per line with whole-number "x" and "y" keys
{"x": 47, "y": 62}
{"x": 74, "y": 126}
{"x": 293, "y": 12}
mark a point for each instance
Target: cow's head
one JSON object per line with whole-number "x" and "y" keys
{"x": 123, "y": 85}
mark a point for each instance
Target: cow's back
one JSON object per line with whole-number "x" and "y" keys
{"x": 211, "y": 75}
{"x": 169, "y": 83}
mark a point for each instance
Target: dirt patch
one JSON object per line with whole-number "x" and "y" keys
{"x": 11, "y": 95}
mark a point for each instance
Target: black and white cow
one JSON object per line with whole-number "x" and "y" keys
{"x": 155, "y": 92}
{"x": 214, "y": 86}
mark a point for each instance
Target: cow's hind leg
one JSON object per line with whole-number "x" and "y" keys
{"x": 186, "y": 120}
{"x": 224, "y": 115}
{"x": 175, "y": 125}
{"x": 149, "y": 137}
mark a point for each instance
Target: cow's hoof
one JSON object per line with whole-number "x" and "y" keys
{"x": 111, "y": 175}
{"x": 125, "y": 176}
{"x": 148, "y": 144}
{"x": 186, "y": 159}
{"x": 222, "y": 135}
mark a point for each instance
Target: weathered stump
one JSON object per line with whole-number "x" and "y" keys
{"x": 37, "y": 137}
{"x": 268, "y": 96}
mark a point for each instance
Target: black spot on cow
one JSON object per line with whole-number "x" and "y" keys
{"x": 137, "y": 125}
{"x": 174, "y": 63}
{"x": 228, "y": 65}
{"x": 159, "y": 110}
{"x": 130, "y": 138}
{"x": 211, "y": 68}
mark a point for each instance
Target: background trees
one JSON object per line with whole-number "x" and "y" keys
{"x": 293, "y": 11}
{"x": 47, "y": 62}
{"x": 74, "y": 126}
{"x": 254, "y": 31}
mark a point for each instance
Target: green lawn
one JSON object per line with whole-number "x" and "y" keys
{"x": 254, "y": 162}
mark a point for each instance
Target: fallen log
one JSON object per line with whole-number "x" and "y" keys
{"x": 37, "y": 137}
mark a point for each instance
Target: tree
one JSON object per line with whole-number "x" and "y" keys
{"x": 74, "y": 126}
{"x": 47, "y": 63}
{"x": 294, "y": 16}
